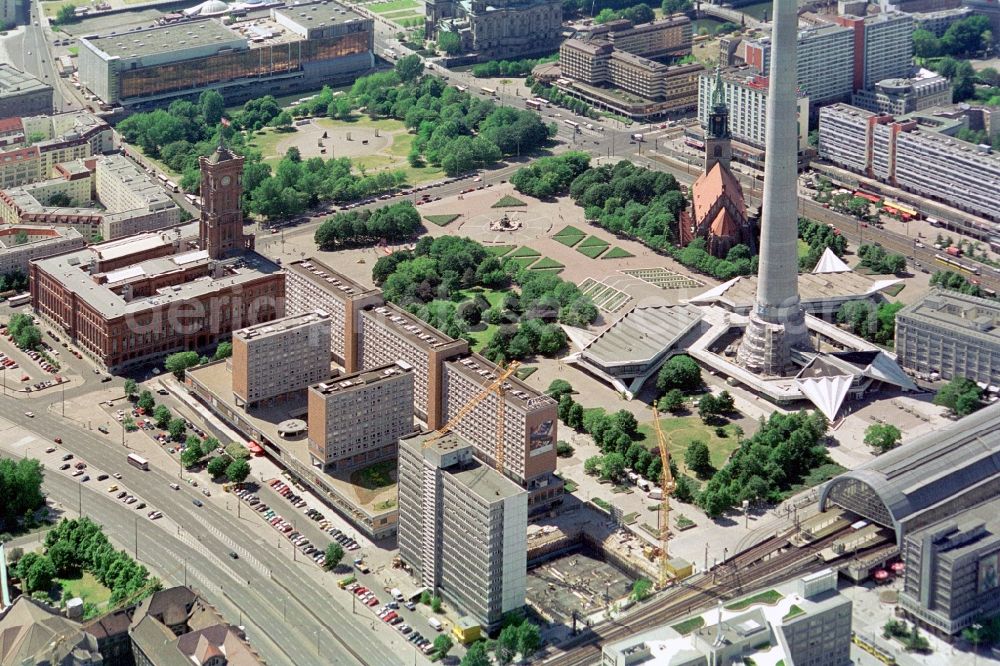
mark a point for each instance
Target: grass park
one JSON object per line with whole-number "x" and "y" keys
{"x": 95, "y": 596}
{"x": 442, "y": 220}
{"x": 680, "y": 431}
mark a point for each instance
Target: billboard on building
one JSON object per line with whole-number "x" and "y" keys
{"x": 988, "y": 567}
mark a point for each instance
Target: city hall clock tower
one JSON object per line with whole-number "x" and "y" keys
{"x": 221, "y": 225}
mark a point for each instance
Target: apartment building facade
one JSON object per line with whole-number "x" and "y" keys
{"x": 66, "y": 137}
{"x": 668, "y": 37}
{"x": 312, "y": 284}
{"x": 915, "y": 153}
{"x": 38, "y": 242}
{"x": 280, "y": 357}
{"x": 388, "y": 334}
{"x": 462, "y": 527}
{"x": 745, "y": 95}
{"x": 530, "y": 422}
{"x": 883, "y": 47}
{"x": 358, "y": 419}
{"x": 825, "y": 65}
{"x": 952, "y": 334}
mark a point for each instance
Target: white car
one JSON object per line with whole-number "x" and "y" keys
{"x": 30, "y": 415}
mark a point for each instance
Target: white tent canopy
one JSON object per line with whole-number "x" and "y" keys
{"x": 827, "y": 393}
{"x": 830, "y": 263}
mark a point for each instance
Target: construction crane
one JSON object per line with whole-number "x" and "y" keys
{"x": 498, "y": 387}
{"x": 667, "y": 488}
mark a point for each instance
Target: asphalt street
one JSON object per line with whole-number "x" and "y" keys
{"x": 30, "y": 52}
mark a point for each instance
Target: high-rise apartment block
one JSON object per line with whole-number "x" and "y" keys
{"x": 825, "y": 66}
{"x": 529, "y": 425}
{"x": 952, "y": 570}
{"x": 883, "y": 47}
{"x": 462, "y": 527}
{"x": 952, "y": 335}
{"x": 745, "y": 94}
{"x": 313, "y": 284}
{"x": 357, "y": 419}
{"x": 22, "y": 94}
{"x": 917, "y": 153}
{"x": 280, "y": 357}
{"x": 389, "y": 334}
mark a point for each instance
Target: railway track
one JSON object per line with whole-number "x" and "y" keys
{"x": 765, "y": 564}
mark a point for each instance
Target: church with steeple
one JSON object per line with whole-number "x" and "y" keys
{"x": 718, "y": 212}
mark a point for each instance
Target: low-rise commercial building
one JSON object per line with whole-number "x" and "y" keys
{"x": 529, "y": 426}
{"x": 668, "y": 37}
{"x": 495, "y": 29}
{"x": 897, "y": 97}
{"x": 952, "y": 575}
{"x": 462, "y": 527}
{"x": 59, "y": 138}
{"x": 280, "y": 357}
{"x": 357, "y": 419}
{"x": 128, "y": 201}
{"x": 22, "y": 94}
{"x": 809, "y": 625}
{"x": 296, "y": 48}
{"x": 745, "y": 94}
{"x": 389, "y": 334}
{"x": 951, "y": 335}
{"x": 917, "y": 153}
{"x": 21, "y": 244}
{"x": 938, "y": 22}
{"x": 312, "y": 284}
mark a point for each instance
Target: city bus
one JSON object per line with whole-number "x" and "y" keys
{"x": 694, "y": 143}
{"x": 138, "y": 461}
{"x": 461, "y": 88}
{"x": 172, "y": 186}
{"x": 163, "y": 179}
{"x": 533, "y": 104}
{"x": 490, "y": 91}
{"x": 18, "y": 301}
{"x": 574, "y": 125}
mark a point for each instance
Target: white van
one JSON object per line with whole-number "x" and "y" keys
{"x": 434, "y": 622}
{"x": 396, "y": 594}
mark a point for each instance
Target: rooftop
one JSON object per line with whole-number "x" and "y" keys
{"x": 642, "y": 334}
{"x": 954, "y": 311}
{"x": 14, "y": 82}
{"x": 341, "y": 286}
{"x": 969, "y": 531}
{"x": 484, "y": 372}
{"x": 413, "y": 329}
{"x": 318, "y": 15}
{"x": 478, "y": 478}
{"x": 282, "y": 325}
{"x": 741, "y": 292}
{"x": 36, "y": 235}
{"x": 165, "y": 39}
{"x": 339, "y": 383}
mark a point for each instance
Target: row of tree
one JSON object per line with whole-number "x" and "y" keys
{"x": 641, "y": 13}
{"x": 26, "y": 335}
{"x": 518, "y": 638}
{"x": 967, "y": 37}
{"x": 955, "y": 282}
{"x": 559, "y": 98}
{"x": 877, "y": 260}
{"x": 738, "y": 260}
{"x": 509, "y": 68}
{"x": 393, "y": 224}
{"x": 875, "y": 323}
{"x": 550, "y": 176}
{"x": 819, "y": 237}
{"x": 20, "y": 491}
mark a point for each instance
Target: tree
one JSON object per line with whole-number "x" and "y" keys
{"x": 962, "y": 396}
{"x": 212, "y": 106}
{"x": 575, "y": 420}
{"x": 425, "y": 598}
{"x": 436, "y": 604}
{"x": 238, "y": 471}
{"x": 685, "y": 489}
{"x": 672, "y": 401}
{"x": 224, "y": 350}
{"x": 641, "y": 589}
{"x": 191, "y": 456}
{"x": 176, "y": 428}
{"x": 708, "y": 407}
{"x": 217, "y": 466}
{"x": 529, "y": 639}
{"x": 613, "y": 466}
{"x": 129, "y": 424}
{"x": 66, "y": 14}
{"x": 410, "y": 67}
{"x": 282, "y": 121}
{"x": 680, "y": 372}
{"x": 26, "y": 334}
{"x": 450, "y": 43}
{"x": 558, "y": 388}
{"x": 162, "y": 416}
{"x": 592, "y": 465}
{"x": 882, "y": 437}
{"x": 477, "y": 655}
{"x": 506, "y": 645}
{"x": 235, "y": 450}
{"x": 698, "y": 459}
{"x": 334, "y": 555}
{"x": 564, "y": 449}
{"x": 38, "y": 574}
{"x": 181, "y": 361}
{"x": 442, "y": 645}
{"x": 130, "y": 388}
{"x": 925, "y": 44}
{"x": 146, "y": 402}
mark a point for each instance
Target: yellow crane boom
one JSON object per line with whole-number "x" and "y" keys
{"x": 667, "y": 488}
{"x": 497, "y": 387}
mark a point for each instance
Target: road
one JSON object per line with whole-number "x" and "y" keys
{"x": 30, "y": 51}
{"x": 290, "y": 607}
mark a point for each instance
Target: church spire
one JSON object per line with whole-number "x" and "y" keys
{"x": 718, "y": 146}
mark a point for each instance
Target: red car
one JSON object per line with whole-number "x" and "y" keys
{"x": 389, "y": 616}
{"x": 372, "y": 602}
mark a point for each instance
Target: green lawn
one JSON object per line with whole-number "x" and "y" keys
{"x": 569, "y": 230}
{"x": 524, "y": 251}
{"x": 689, "y": 625}
{"x": 480, "y": 338}
{"x": 617, "y": 253}
{"x": 894, "y": 289}
{"x": 682, "y": 430}
{"x": 525, "y": 371}
{"x": 594, "y": 241}
{"x": 794, "y": 611}
{"x": 88, "y": 588}
{"x": 394, "y": 5}
{"x": 523, "y": 262}
{"x": 768, "y": 598}
{"x": 492, "y": 296}
{"x": 546, "y": 262}
{"x": 592, "y": 251}
{"x": 803, "y": 248}
{"x": 507, "y": 201}
{"x": 441, "y": 220}
{"x": 499, "y": 250}
{"x": 379, "y": 475}
{"x": 74, "y": 50}
{"x": 568, "y": 241}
